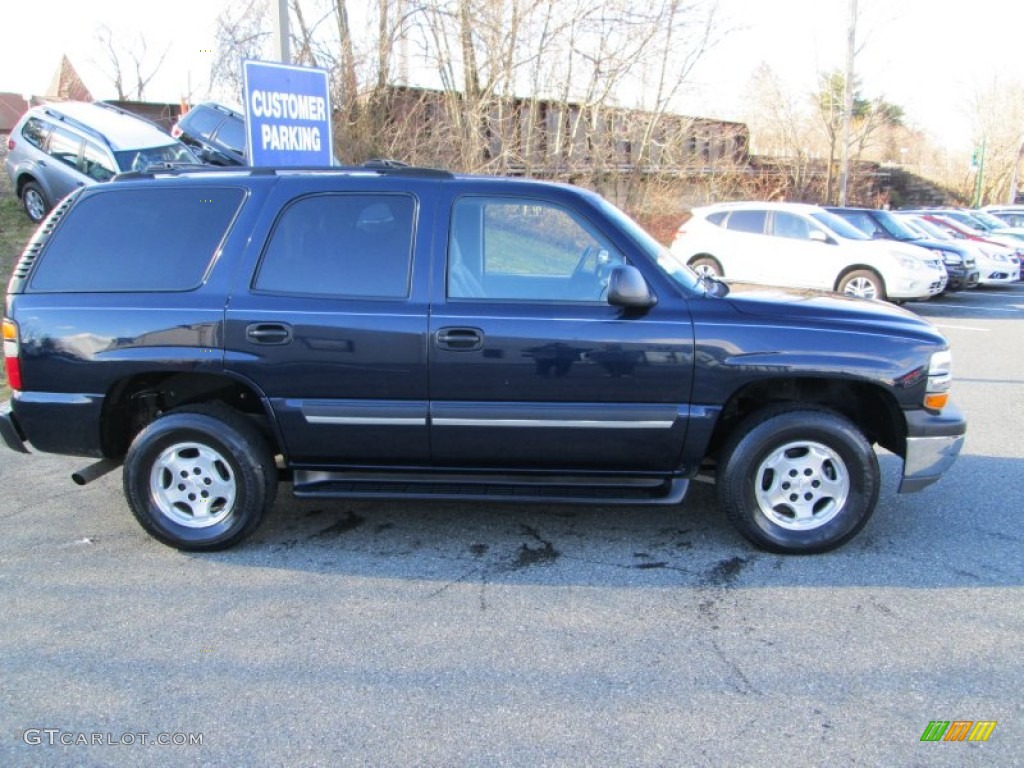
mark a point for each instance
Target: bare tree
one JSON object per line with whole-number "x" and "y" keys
{"x": 580, "y": 90}
{"x": 243, "y": 32}
{"x": 129, "y": 65}
{"x": 999, "y": 127}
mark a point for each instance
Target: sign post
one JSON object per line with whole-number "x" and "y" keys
{"x": 287, "y": 115}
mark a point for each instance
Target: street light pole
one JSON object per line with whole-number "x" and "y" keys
{"x": 979, "y": 181}
{"x": 851, "y": 49}
{"x": 279, "y": 14}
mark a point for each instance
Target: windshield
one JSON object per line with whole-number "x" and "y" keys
{"x": 942, "y": 233}
{"x": 895, "y": 227}
{"x": 914, "y": 226}
{"x": 990, "y": 221}
{"x": 839, "y": 226}
{"x": 141, "y": 159}
{"x": 959, "y": 227}
{"x": 665, "y": 259}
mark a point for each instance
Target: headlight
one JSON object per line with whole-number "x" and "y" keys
{"x": 940, "y": 379}
{"x": 909, "y": 262}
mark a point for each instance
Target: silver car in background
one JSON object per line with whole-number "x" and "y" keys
{"x": 56, "y": 148}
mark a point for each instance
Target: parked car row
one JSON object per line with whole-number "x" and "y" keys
{"x": 998, "y": 249}
{"x": 805, "y": 246}
{"x": 959, "y": 262}
{"x": 57, "y": 148}
{"x": 863, "y": 252}
{"x": 996, "y": 262}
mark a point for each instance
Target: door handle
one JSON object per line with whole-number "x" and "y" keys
{"x": 268, "y": 333}
{"x": 460, "y": 339}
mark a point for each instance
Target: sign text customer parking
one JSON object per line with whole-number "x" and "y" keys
{"x": 288, "y": 115}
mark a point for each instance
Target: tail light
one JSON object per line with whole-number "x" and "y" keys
{"x": 12, "y": 363}
{"x": 10, "y": 144}
{"x": 176, "y": 131}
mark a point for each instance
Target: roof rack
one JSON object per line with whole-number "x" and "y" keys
{"x": 379, "y": 167}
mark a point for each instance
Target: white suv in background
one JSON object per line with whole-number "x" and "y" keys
{"x": 804, "y": 246}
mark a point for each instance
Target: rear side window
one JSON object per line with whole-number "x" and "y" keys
{"x": 137, "y": 239}
{"x": 791, "y": 226}
{"x": 232, "y": 135}
{"x": 35, "y": 131}
{"x": 344, "y": 245}
{"x": 746, "y": 221}
{"x": 202, "y": 121}
{"x": 64, "y": 146}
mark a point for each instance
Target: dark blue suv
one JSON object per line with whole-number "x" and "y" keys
{"x": 402, "y": 332}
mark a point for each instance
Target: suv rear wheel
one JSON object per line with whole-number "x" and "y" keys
{"x": 35, "y": 202}
{"x": 200, "y": 478}
{"x": 798, "y": 480}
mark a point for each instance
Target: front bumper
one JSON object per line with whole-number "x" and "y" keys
{"x": 957, "y": 278}
{"x": 919, "y": 286}
{"x": 933, "y": 443}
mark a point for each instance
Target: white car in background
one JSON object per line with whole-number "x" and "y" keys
{"x": 804, "y": 246}
{"x": 997, "y": 264}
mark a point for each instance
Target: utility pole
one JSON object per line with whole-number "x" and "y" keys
{"x": 851, "y": 49}
{"x": 279, "y": 14}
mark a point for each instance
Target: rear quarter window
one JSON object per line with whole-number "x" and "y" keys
{"x": 138, "y": 239}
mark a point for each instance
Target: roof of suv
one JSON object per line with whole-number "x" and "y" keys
{"x": 122, "y": 130}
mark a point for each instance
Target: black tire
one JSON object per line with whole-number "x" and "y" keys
{"x": 228, "y": 478}
{"x": 862, "y": 283}
{"x": 707, "y": 265}
{"x": 34, "y": 201}
{"x": 831, "y": 493}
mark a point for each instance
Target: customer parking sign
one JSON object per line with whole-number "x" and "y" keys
{"x": 288, "y": 115}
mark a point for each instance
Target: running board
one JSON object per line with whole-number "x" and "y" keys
{"x": 573, "y": 489}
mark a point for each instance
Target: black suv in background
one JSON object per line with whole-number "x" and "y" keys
{"x": 405, "y": 332}
{"x": 961, "y": 268}
{"x": 214, "y": 132}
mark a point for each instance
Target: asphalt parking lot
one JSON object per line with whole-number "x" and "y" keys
{"x": 449, "y": 634}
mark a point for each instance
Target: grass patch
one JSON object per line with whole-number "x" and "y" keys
{"x": 15, "y": 230}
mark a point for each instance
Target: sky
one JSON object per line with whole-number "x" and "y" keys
{"x": 929, "y": 57}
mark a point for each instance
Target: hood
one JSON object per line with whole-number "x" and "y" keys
{"x": 806, "y": 307}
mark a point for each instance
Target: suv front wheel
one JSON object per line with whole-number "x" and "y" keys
{"x": 862, "y": 283}
{"x": 798, "y": 480}
{"x": 200, "y": 478}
